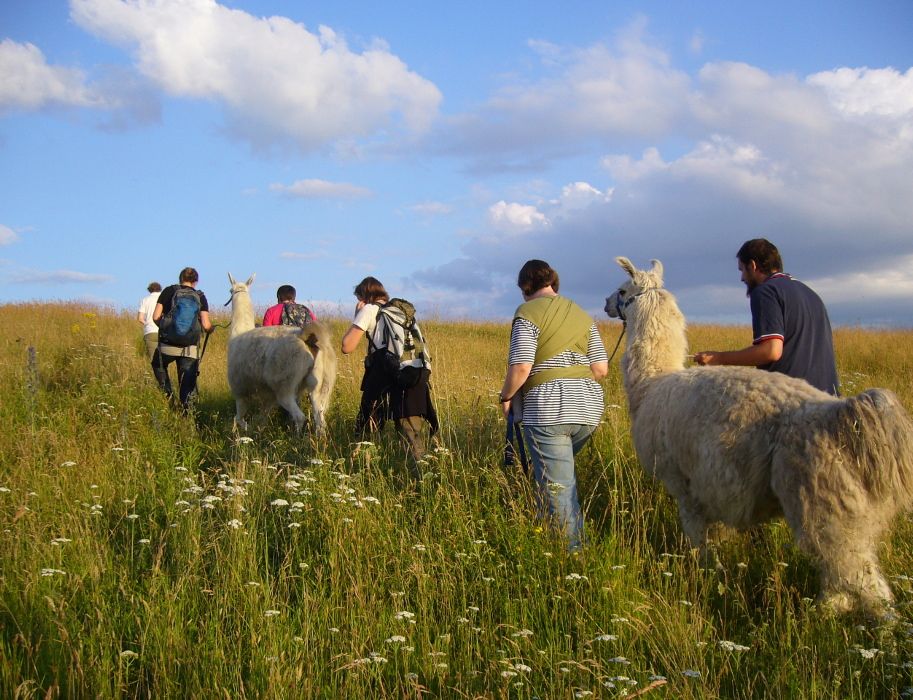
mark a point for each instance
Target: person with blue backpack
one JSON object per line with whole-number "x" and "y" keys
{"x": 182, "y": 315}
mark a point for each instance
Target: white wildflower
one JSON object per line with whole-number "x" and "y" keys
{"x": 523, "y": 633}
{"x": 279, "y": 502}
{"x": 234, "y": 524}
{"x": 689, "y": 673}
{"x": 68, "y": 463}
{"x": 732, "y": 646}
{"x": 271, "y": 613}
{"x": 128, "y": 654}
{"x": 605, "y": 638}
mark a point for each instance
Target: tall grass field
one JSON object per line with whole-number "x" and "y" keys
{"x": 148, "y": 554}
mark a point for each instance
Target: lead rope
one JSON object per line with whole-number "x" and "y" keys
{"x": 624, "y": 326}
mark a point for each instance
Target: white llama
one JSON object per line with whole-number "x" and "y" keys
{"x": 739, "y": 446}
{"x": 271, "y": 365}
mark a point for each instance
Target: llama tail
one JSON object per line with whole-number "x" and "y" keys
{"x": 322, "y": 379}
{"x": 876, "y": 430}
{"x": 317, "y": 337}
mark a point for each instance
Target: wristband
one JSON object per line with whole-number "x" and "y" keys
{"x": 504, "y": 399}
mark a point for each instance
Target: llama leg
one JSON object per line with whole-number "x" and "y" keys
{"x": 317, "y": 410}
{"x": 288, "y": 402}
{"x": 843, "y": 544}
{"x": 240, "y": 412}
{"x": 850, "y": 571}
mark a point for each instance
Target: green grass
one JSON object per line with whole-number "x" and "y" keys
{"x": 143, "y": 554}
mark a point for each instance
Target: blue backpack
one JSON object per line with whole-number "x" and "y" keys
{"x": 181, "y": 325}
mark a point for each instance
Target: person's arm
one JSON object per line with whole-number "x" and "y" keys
{"x": 763, "y": 353}
{"x": 351, "y": 339}
{"x": 205, "y": 321}
{"x": 516, "y": 377}
{"x": 141, "y": 318}
{"x": 157, "y": 314}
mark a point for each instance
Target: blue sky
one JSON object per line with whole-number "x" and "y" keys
{"x": 438, "y": 147}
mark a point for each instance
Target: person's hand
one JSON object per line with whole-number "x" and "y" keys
{"x": 704, "y": 358}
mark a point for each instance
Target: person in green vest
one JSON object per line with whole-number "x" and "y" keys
{"x": 555, "y": 360}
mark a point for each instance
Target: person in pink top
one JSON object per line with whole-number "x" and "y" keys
{"x": 287, "y": 312}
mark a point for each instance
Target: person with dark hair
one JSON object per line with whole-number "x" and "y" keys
{"x": 171, "y": 347}
{"x": 555, "y": 360}
{"x": 144, "y": 317}
{"x": 287, "y": 311}
{"x": 791, "y": 328}
{"x": 384, "y": 397}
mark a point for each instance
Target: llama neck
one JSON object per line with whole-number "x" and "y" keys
{"x": 656, "y": 340}
{"x": 242, "y": 313}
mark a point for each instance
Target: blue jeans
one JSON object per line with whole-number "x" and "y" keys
{"x": 552, "y": 449}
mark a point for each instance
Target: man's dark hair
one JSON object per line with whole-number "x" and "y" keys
{"x": 188, "y": 274}
{"x": 536, "y": 275}
{"x": 370, "y": 291}
{"x": 285, "y": 293}
{"x": 154, "y": 287}
{"x": 763, "y": 252}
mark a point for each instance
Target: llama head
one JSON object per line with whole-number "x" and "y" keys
{"x": 640, "y": 281}
{"x": 240, "y": 286}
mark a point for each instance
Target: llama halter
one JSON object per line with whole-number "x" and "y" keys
{"x": 630, "y": 300}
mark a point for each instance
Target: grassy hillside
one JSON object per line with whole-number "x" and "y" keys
{"x": 147, "y": 555}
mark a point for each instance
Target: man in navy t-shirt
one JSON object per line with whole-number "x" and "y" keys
{"x": 792, "y": 332}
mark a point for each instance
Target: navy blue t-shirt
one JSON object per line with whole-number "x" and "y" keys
{"x": 784, "y": 308}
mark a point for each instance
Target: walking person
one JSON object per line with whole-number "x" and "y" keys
{"x": 286, "y": 312}
{"x": 144, "y": 317}
{"x": 791, "y": 328}
{"x": 556, "y": 357}
{"x": 388, "y": 389}
{"x": 182, "y": 315}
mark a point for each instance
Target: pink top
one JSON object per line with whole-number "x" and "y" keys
{"x": 273, "y": 315}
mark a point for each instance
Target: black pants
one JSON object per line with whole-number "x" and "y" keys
{"x": 187, "y": 375}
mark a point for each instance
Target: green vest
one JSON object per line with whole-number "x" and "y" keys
{"x": 562, "y": 326}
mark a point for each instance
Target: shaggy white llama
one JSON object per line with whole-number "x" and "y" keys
{"x": 271, "y": 365}
{"x": 739, "y": 446}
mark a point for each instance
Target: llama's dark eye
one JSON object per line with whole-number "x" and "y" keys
{"x": 621, "y": 292}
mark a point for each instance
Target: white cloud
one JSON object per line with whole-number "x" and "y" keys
{"x": 862, "y": 91}
{"x": 820, "y": 166}
{"x": 579, "y": 195}
{"x": 60, "y": 277}
{"x": 7, "y": 235}
{"x": 432, "y": 208}
{"x": 321, "y": 189}
{"x": 277, "y": 80}
{"x": 628, "y": 89}
{"x": 314, "y": 255}
{"x": 27, "y": 82}
{"x": 514, "y": 217}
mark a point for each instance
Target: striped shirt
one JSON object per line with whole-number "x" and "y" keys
{"x": 560, "y": 400}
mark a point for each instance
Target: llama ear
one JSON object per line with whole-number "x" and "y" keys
{"x": 627, "y": 266}
{"x": 250, "y": 280}
{"x": 657, "y": 271}
{"x": 231, "y": 280}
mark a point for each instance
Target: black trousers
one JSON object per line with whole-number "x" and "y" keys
{"x": 187, "y": 375}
